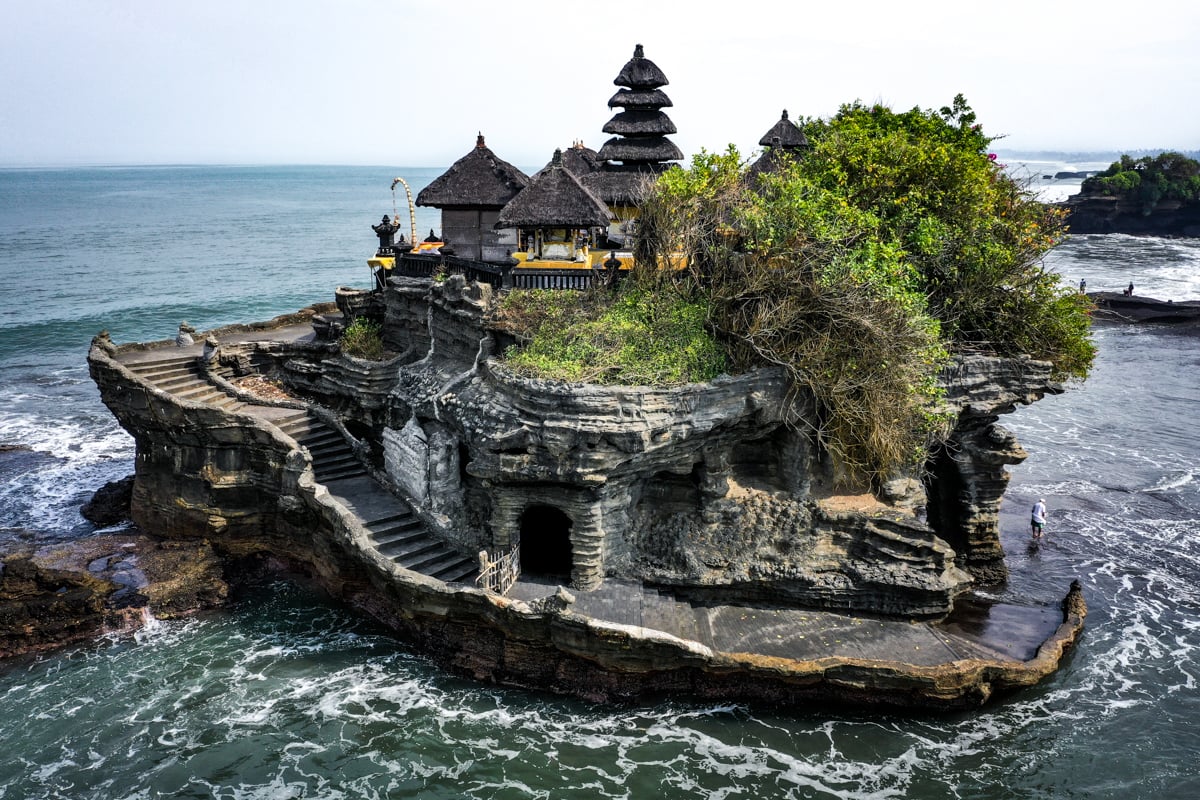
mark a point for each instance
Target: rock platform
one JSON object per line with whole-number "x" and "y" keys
{"x": 288, "y": 478}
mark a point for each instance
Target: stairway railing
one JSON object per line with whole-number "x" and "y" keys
{"x": 498, "y": 572}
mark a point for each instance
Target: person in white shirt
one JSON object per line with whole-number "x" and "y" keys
{"x": 1039, "y": 518}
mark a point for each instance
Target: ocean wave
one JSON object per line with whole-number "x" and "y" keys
{"x": 1176, "y": 480}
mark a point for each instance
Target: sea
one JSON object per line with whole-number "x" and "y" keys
{"x": 289, "y": 695}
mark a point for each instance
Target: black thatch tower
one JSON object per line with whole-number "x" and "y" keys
{"x": 784, "y": 141}
{"x": 470, "y": 195}
{"x": 640, "y": 149}
{"x": 642, "y": 128}
{"x": 556, "y": 209}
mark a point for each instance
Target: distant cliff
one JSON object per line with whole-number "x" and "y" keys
{"x": 1104, "y": 214}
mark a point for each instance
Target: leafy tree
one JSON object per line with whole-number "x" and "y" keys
{"x": 896, "y": 238}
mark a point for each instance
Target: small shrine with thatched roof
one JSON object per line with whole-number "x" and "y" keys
{"x": 555, "y": 215}
{"x": 470, "y": 195}
{"x": 785, "y": 140}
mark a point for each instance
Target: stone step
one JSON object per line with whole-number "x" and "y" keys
{"x": 323, "y": 445}
{"x": 314, "y": 433}
{"x": 179, "y": 382}
{"x": 338, "y": 475}
{"x": 168, "y": 373}
{"x": 397, "y": 536}
{"x": 331, "y": 453}
{"x": 341, "y": 469}
{"x": 382, "y": 523}
{"x": 405, "y": 521}
{"x": 199, "y": 387}
{"x": 209, "y": 395}
{"x": 410, "y": 548}
{"x": 429, "y": 558}
{"x": 301, "y": 424}
{"x": 336, "y": 462}
{"x": 437, "y": 561}
{"x": 462, "y": 571}
{"x": 172, "y": 362}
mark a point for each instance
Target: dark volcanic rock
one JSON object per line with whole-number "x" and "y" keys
{"x": 1117, "y": 307}
{"x": 68, "y": 593}
{"x": 1101, "y": 214}
{"x": 699, "y": 488}
{"x": 110, "y": 504}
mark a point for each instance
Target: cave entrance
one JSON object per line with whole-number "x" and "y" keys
{"x": 944, "y": 490}
{"x": 546, "y": 542}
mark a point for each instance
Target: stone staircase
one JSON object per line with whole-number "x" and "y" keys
{"x": 181, "y": 376}
{"x": 395, "y": 530}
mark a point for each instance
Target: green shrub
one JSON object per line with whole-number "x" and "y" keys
{"x": 635, "y": 336}
{"x": 363, "y": 339}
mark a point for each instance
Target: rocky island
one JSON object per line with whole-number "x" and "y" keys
{"x": 1149, "y": 196}
{"x": 800, "y": 513}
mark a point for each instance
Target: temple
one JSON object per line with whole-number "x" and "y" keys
{"x": 571, "y": 221}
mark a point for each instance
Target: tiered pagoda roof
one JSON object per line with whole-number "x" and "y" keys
{"x": 640, "y": 146}
{"x": 479, "y": 179}
{"x": 555, "y": 199}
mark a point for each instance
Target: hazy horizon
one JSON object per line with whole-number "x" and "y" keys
{"x": 271, "y": 83}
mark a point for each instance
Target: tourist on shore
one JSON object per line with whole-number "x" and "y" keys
{"x": 1083, "y": 285}
{"x": 1129, "y": 290}
{"x": 1038, "y": 519}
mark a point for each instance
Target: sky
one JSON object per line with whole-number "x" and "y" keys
{"x": 411, "y": 82}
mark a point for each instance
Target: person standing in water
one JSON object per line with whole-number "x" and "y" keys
{"x": 1038, "y": 519}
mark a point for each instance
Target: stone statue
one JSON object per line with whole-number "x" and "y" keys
{"x": 184, "y": 337}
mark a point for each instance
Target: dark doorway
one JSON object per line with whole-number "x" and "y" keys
{"x": 943, "y": 489}
{"x": 546, "y": 542}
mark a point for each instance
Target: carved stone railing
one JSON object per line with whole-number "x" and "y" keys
{"x": 498, "y": 573}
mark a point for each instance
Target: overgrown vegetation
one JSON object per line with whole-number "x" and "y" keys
{"x": 363, "y": 339}
{"x": 895, "y": 240}
{"x": 1149, "y": 179}
{"x": 636, "y": 336}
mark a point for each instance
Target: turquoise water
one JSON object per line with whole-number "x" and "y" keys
{"x": 288, "y": 696}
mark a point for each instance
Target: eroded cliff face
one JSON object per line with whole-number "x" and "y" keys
{"x": 1104, "y": 214}
{"x": 700, "y": 488}
{"x": 967, "y": 476}
{"x": 697, "y": 487}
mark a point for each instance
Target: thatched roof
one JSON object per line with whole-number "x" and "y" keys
{"x": 640, "y": 123}
{"x": 580, "y": 160}
{"x": 477, "y": 180}
{"x": 784, "y": 134}
{"x": 620, "y": 185}
{"x": 771, "y": 160}
{"x": 640, "y": 73}
{"x": 554, "y": 199}
{"x": 640, "y": 98}
{"x": 640, "y": 150}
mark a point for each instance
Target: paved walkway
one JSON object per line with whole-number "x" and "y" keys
{"x": 977, "y": 628}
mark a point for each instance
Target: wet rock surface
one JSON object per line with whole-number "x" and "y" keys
{"x": 72, "y": 592}
{"x": 110, "y": 504}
